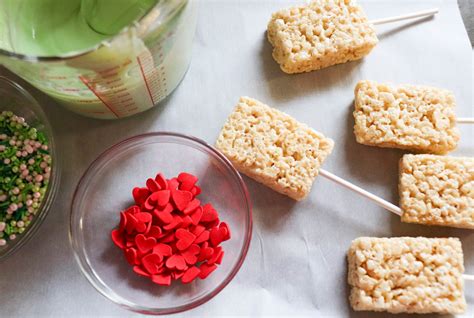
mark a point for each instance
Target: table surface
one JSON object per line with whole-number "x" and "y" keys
{"x": 297, "y": 260}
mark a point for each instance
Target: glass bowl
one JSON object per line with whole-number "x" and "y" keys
{"x": 105, "y": 190}
{"x": 14, "y": 98}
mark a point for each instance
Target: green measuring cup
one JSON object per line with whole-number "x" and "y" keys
{"x": 109, "y": 69}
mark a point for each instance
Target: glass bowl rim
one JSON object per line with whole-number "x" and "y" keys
{"x": 83, "y": 262}
{"x": 55, "y": 179}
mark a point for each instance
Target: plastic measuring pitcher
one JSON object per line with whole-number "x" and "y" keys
{"x": 116, "y": 71}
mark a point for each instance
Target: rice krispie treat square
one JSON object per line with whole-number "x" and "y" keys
{"x": 406, "y": 275}
{"x": 417, "y": 118}
{"x": 273, "y": 148}
{"x": 437, "y": 190}
{"x": 320, "y": 34}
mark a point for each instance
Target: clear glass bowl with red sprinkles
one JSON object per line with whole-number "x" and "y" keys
{"x": 105, "y": 190}
{"x": 17, "y": 101}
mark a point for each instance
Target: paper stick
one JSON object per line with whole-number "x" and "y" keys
{"x": 468, "y": 277}
{"x": 381, "y": 202}
{"x": 465, "y": 120}
{"x": 418, "y": 14}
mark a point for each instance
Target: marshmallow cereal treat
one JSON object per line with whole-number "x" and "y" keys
{"x": 320, "y": 34}
{"x": 273, "y": 148}
{"x": 437, "y": 190}
{"x": 416, "y": 118}
{"x": 406, "y": 275}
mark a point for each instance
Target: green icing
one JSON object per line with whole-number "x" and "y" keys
{"x": 58, "y": 27}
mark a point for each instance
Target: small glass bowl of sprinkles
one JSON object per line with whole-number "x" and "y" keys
{"x": 29, "y": 172}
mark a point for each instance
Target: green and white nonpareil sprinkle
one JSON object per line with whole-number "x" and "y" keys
{"x": 25, "y": 171}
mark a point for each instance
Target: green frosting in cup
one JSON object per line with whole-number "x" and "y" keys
{"x": 59, "y": 27}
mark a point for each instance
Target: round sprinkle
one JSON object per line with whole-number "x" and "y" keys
{"x": 24, "y": 174}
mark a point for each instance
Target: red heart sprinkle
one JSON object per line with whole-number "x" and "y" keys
{"x": 117, "y": 238}
{"x": 168, "y": 238}
{"x": 187, "y": 181}
{"x": 134, "y": 209}
{"x": 161, "y": 279}
{"x": 206, "y": 252}
{"x": 181, "y": 199}
{"x": 186, "y": 186}
{"x": 123, "y": 221}
{"x": 131, "y": 256}
{"x": 185, "y": 177}
{"x": 176, "y": 261}
{"x": 185, "y": 239}
{"x": 161, "y": 180}
{"x": 190, "y": 255}
{"x": 149, "y": 204}
{"x": 162, "y": 197}
{"x": 140, "y": 227}
{"x": 152, "y": 263}
{"x": 167, "y": 209}
{"x": 193, "y": 205}
{"x": 196, "y": 216}
{"x": 186, "y": 222}
{"x": 144, "y": 244}
{"x": 216, "y": 255}
{"x": 164, "y": 217}
{"x": 208, "y": 213}
{"x": 140, "y": 271}
{"x": 217, "y": 235}
{"x": 144, "y": 217}
{"x": 152, "y": 185}
{"x": 197, "y": 230}
{"x": 176, "y": 222}
{"x": 140, "y": 195}
{"x": 214, "y": 223}
{"x": 206, "y": 269}
{"x": 148, "y": 227}
{"x": 204, "y": 236}
{"x": 173, "y": 184}
{"x": 131, "y": 223}
{"x": 196, "y": 191}
{"x": 224, "y": 225}
{"x": 219, "y": 258}
{"x": 162, "y": 249}
{"x": 130, "y": 243}
{"x": 155, "y": 231}
{"x": 177, "y": 274}
{"x": 190, "y": 275}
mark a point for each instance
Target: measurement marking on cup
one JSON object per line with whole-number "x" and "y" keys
{"x": 85, "y": 81}
{"x": 144, "y": 79}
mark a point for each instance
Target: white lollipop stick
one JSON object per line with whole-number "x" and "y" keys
{"x": 465, "y": 120}
{"x": 381, "y": 202}
{"x": 419, "y": 14}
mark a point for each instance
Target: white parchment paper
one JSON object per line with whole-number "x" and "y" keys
{"x": 296, "y": 265}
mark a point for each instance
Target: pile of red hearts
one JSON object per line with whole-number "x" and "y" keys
{"x": 168, "y": 235}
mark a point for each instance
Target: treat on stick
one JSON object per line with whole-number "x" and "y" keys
{"x": 323, "y": 33}
{"x": 320, "y": 34}
{"x": 406, "y": 275}
{"x": 437, "y": 190}
{"x": 273, "y": 148}
{"x": 285, "y": 155}
{"x": 416, "y": 118}
{"x": 434, "y": 190}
